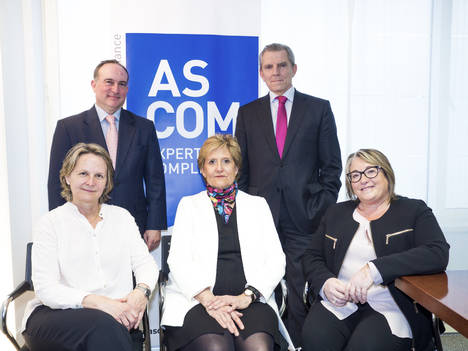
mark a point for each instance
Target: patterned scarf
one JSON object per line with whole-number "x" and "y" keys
{"x": 223, "y": 200}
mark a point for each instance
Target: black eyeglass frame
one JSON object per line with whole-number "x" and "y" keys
{"x": 378, "y": 168}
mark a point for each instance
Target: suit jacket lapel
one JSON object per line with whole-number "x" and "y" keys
{"x": 267, "y": 124}
{"x": 126, "y": 135}
{"x": 93, "y": 128}
{"x": 295, "y": 120}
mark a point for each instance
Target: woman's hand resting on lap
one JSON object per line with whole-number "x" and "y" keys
{"x": 335, "y": 291}
{"x": 117, "y": 308}
{"x": 224, "y": 309}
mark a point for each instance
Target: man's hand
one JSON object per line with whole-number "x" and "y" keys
{"x": 152, "y": 239}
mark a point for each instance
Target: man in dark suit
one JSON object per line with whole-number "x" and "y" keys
{"x": 132, "y": 143}
{"x": 290, "y": 156}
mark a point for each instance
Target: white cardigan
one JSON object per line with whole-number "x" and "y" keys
{"x": 194, "y": 253}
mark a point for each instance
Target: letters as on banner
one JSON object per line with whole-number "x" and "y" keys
{"x": 191, "y": 86}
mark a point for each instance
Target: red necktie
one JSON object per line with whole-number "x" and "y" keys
{"x": 281, "y": 124}
{"x": 112, "y": 139}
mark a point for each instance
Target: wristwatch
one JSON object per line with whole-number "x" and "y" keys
{"x": 249, "y": 293}
{"x": 252, "y": 293}
{"x": 145, "y": 291}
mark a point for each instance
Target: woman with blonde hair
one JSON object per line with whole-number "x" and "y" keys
{"x": 83, "y": 257}
{"x": 359, "y": 249}
{"x": 225, "y": 261}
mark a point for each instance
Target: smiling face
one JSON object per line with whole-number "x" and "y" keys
{"x": 369, "y": 191}
{"x": 110, "y": 87}
{"x": 276, "y": 71}
{"x": 219, "y": 168}
{"x": 87, "y": 180}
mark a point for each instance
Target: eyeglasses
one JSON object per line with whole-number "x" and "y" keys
{"x": 370, "y": 172}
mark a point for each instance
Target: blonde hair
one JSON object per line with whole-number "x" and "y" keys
{"x": 219, "y": 141}
{"x": 69, "y": 164}
{"x": 375, "y": 158}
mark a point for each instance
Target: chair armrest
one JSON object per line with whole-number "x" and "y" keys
{"x": 146, "y": 330}
{"x": 284, "y": 297}
{"x": 19, "y": 290}
{"x": 307, "y": 297}
{"x": 162, "y": 282}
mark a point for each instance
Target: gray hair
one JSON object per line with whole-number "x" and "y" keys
{"x": 277, "y": 47}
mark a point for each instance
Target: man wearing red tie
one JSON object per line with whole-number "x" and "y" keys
{"x": 133, "y": 146}
{"x": 290, "y": 156}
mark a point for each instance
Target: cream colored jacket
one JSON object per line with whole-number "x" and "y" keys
{"x": 194, "y": 252}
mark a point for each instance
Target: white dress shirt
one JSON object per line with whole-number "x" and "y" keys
{"x": 71, "y": 259}
{"x": 289, "y": 94}
{"x": 102, "y": 119}
{"x": 360, "y": 252}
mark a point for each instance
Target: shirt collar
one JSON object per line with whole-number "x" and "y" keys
{"x": 360, "y": 218}
{"x": 74, "y": 209}
{"x": 103, "y": 114}
{"x": 288, "y": 93}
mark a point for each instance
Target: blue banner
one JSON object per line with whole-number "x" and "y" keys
{"x": 191, "y": 86}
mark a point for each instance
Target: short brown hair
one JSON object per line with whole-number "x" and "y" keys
{"x": 375, "y": 158}
{"x": 105, "y": 62}
{"x": 219, "y": 141}
{"x": 69, "y": 164}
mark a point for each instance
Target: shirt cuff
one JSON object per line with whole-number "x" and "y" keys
{"x": 78, "y": 301}
{"x": 322, "y": 294}
{"x": 375, "y": 274}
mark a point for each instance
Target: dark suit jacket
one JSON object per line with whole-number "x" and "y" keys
{"x": 138, "y": 164}
{"x": 309, "y": 172}
{"x": 407, "y": 240}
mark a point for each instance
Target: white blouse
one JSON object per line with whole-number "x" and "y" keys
{"x": 360, "y": 252}
{"x": 71, "y": 259}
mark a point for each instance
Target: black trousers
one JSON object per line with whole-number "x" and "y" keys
{"x": 294, "y": 243}
{"x": 75, "y": 329}
{"x": 364, "y": 330}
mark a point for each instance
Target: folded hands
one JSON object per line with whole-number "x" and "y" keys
{"x": 355, "y": 290}
{"x": 128, "y": 310}
{"x": 225, "y": 309}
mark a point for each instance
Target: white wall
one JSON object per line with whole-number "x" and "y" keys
{"x": 24, "y": 145}
{"x": 448, "y": 143}
{"x": 6, "y": 262}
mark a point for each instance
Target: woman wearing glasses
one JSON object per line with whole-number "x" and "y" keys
{"x": 360, "y": 248}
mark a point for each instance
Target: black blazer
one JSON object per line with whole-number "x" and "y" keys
{"x": 407, "y": 240}
{"x": 309, "y": 172}
{"x": 138, "y": 164}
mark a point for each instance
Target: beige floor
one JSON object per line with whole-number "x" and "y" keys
{"x": 453, "y": 341}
